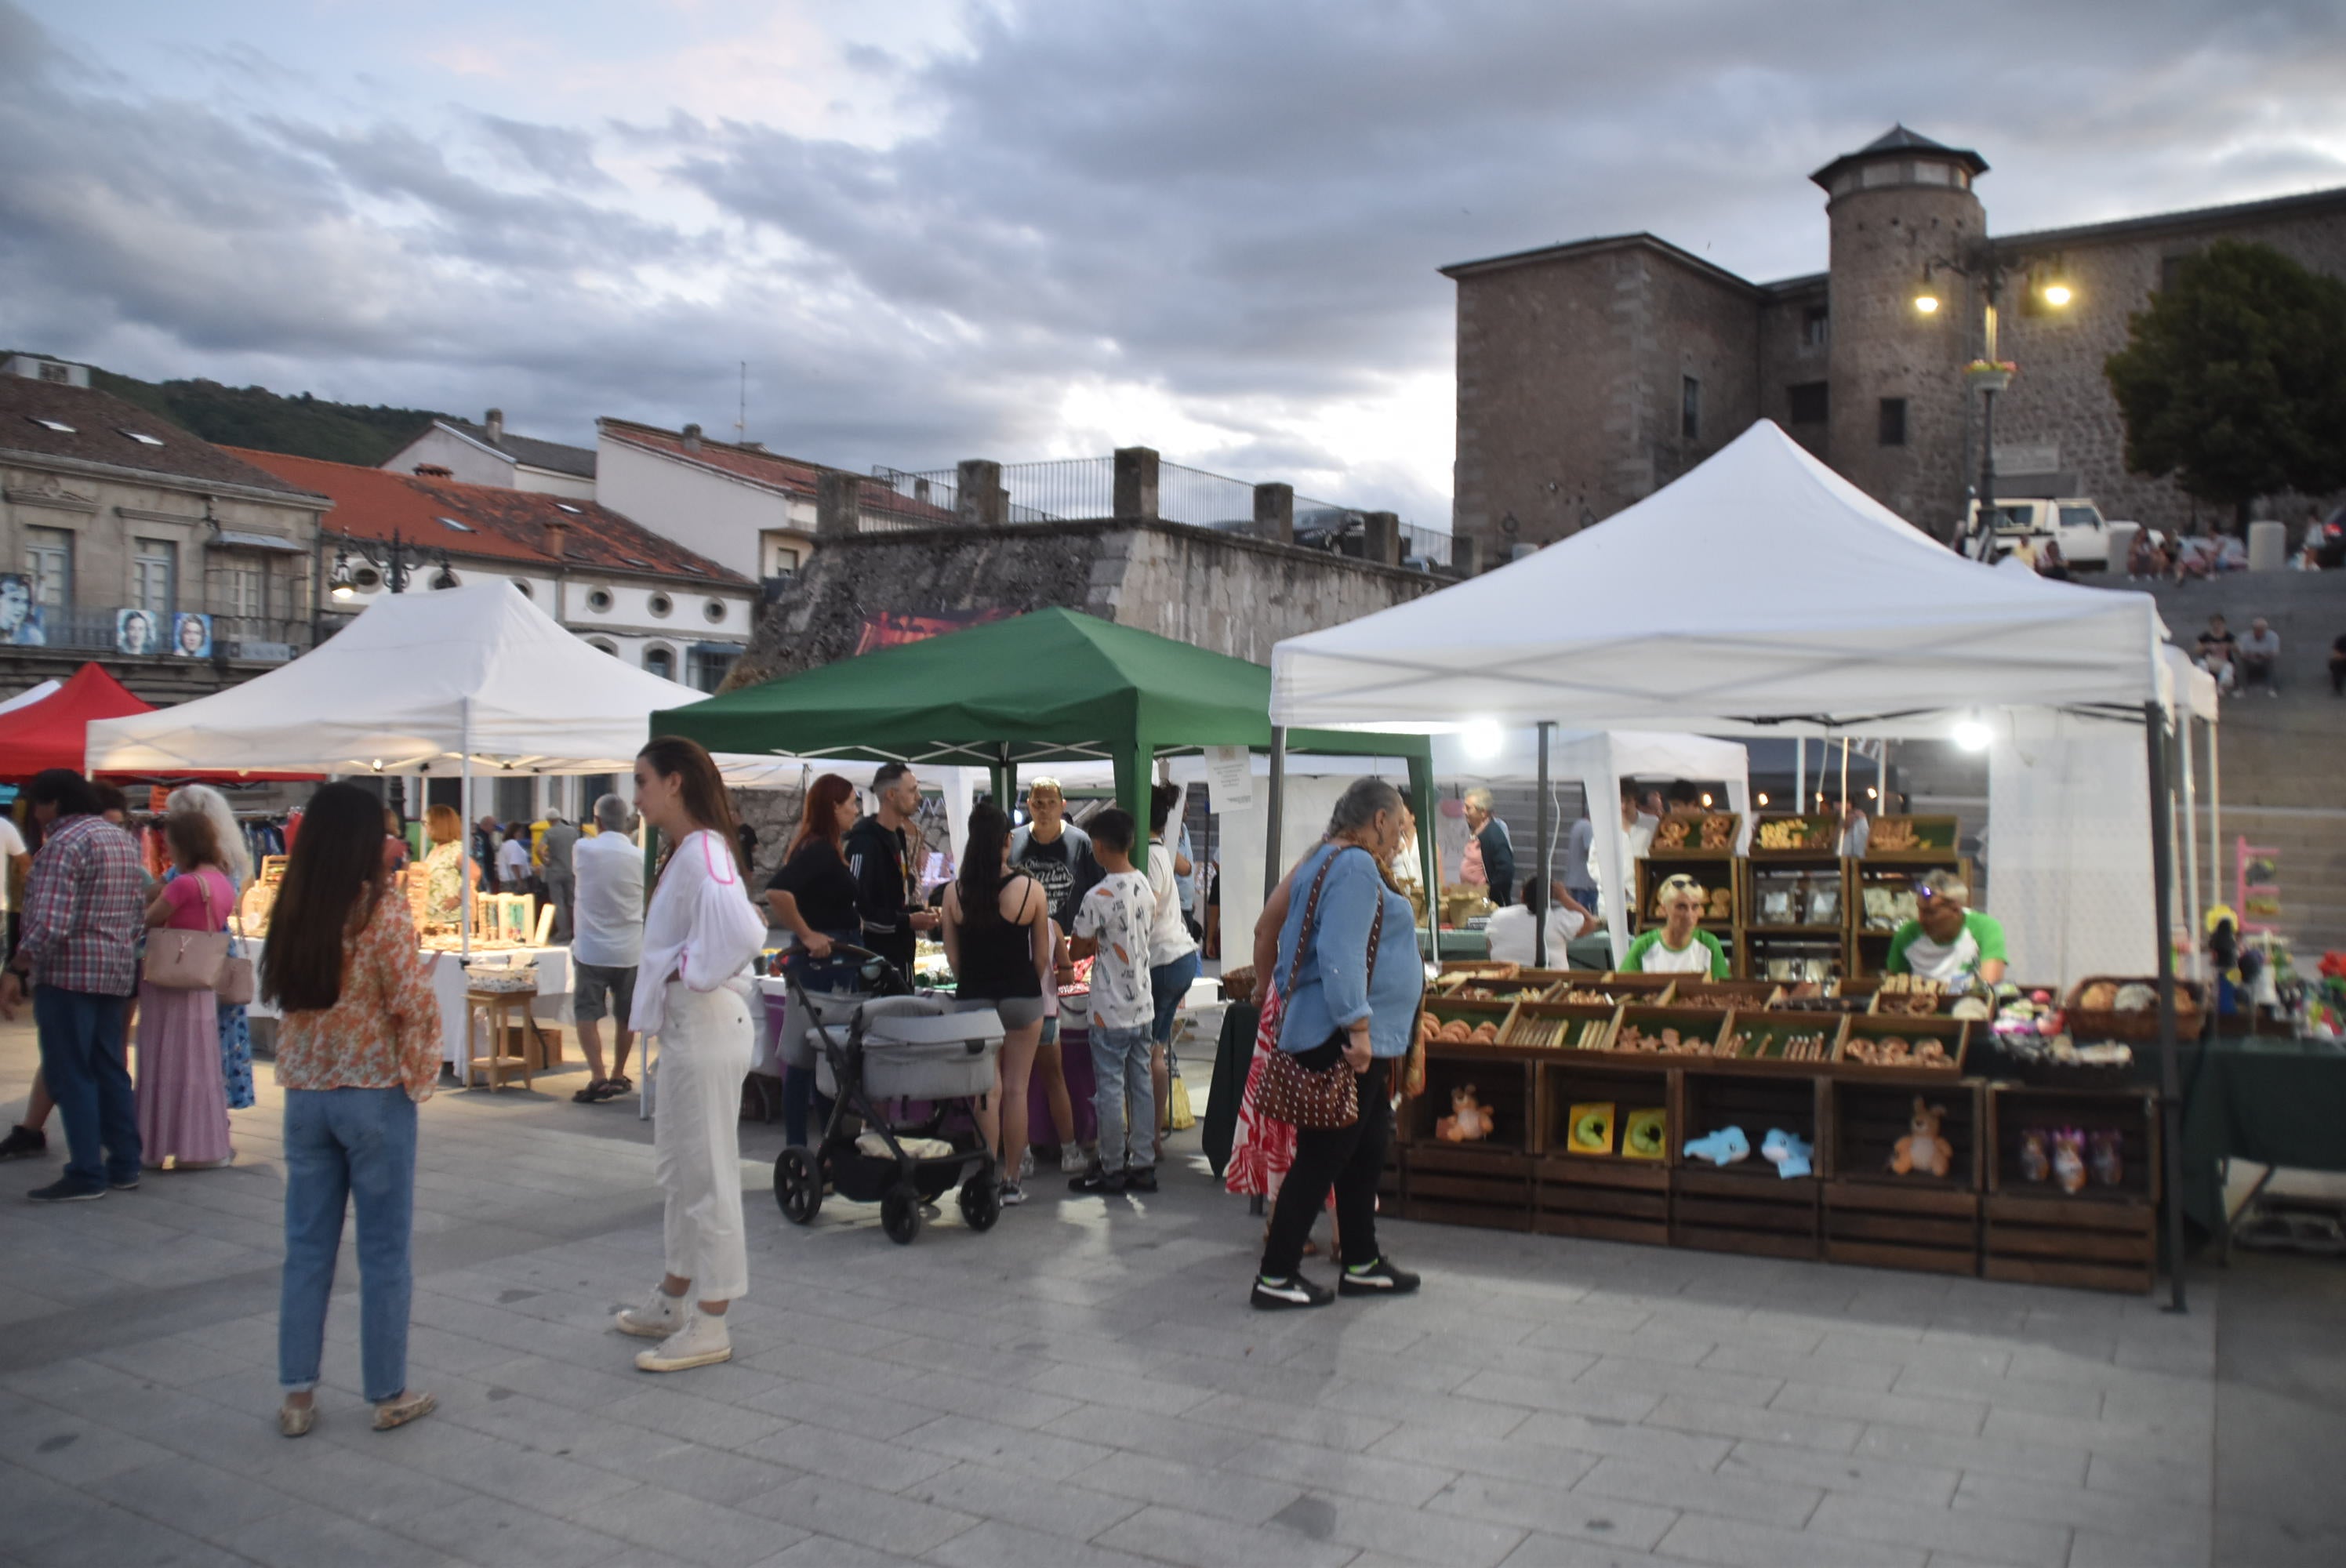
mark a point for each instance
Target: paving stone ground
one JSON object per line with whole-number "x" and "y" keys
{"x": 1085, "y": 1386}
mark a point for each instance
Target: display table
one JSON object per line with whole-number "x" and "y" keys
{"x": 2272, "y": 1101}
{"x": 550, "y": 1010}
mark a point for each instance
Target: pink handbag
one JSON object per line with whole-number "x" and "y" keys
{"x": 190, "y": 960}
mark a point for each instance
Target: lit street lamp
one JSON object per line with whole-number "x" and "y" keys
{"x": 1988, "y": 373}
{"x": 393, "y": 562}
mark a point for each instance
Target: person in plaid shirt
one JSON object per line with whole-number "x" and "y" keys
{"x": 84, "y": 911}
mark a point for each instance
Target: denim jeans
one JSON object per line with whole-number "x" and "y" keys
{"x": 82, "y": 1064}
{"x": 1120, "y": 1074}
{"x": 1168, "y": 983}
{"x": 344, "y": 1144}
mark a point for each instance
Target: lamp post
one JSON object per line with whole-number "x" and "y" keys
{"x": 1988, "y": 373}
{"x": 393, "y": 562}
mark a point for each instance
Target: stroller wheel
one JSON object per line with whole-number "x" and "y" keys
{"x": 981, "y": 1203}
{"x": 797, "y": 1185}
{"x": 899, "y": 1216}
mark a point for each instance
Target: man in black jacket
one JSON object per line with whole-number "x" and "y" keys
{"x": 884, "y": 853}
{"x": 1498, "y": 848}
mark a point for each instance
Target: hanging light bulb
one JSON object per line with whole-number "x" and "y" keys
{"x": 1484, "y": 739}
{"x": 1972, "y": 734}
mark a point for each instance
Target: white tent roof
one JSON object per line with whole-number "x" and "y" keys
{"x": 1759, "y": 586}
{"x": 410, "y": 686}
{"x": 29, "y": 696}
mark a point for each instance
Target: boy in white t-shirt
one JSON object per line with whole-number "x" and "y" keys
{"x": 1113, "y": 925}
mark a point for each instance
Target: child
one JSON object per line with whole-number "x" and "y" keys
{"x": 1113, "y": 924}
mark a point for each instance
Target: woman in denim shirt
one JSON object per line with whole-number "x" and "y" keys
{"x": 1337, "y": 1009}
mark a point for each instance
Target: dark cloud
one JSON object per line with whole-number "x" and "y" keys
{"x": 1229, "y": 212}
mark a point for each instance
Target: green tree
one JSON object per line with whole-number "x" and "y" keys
{"x": 2234, "y": 380}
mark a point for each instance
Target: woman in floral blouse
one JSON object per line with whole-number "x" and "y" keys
{"x": 358, "y": 1050}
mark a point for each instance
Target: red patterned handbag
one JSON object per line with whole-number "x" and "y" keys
{"x": 1291, "y": 1091}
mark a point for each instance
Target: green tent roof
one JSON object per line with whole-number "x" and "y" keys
{"x": 1052, "y": 686}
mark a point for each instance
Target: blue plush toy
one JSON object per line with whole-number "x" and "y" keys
{"x": 1723, "y": 1148}
{"x": 1788, "y": 1152}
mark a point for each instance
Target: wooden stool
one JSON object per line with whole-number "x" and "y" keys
{"x": 500, "y": 1006}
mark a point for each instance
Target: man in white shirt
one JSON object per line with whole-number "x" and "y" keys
{"x": 607, "y": 945}
{"x": 1510, "y": 930}
{"x": 512, "y": 860}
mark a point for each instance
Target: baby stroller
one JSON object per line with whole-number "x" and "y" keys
{"x": 879, "y": 1044}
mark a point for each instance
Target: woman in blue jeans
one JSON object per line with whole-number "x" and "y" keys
{"x": 817, "y": 899}
{"x": 358, "y": 1050}
{"x": 1172, "y": 950}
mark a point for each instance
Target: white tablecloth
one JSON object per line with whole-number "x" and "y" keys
{"x": 552, "y": 1007}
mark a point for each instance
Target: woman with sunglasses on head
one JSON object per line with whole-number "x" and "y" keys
{"x": 1680, "y": 945}
{"x": 358, "y": 1049}
{"x": 692, "y": 990}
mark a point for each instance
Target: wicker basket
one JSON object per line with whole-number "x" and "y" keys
{"x": 2137, "y": 1027}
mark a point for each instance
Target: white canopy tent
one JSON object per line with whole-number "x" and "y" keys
{"x": 29, "y": 696}
{"x": 1761, "y": 593}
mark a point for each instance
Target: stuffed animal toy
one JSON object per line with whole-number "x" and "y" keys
{"x": 1788, "y": 1152}
{"x": 2109, "y": 1155}
{"x": 2069, "y": 1159}
{"x": 1723, "y": 1148}
{"x": 1922, "y": 1149}
{"x": 2036, "y": 1165}
{"x": 1469, "y": 1121}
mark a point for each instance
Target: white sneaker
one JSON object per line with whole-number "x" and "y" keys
{"x": 701, "y": 1342}
{"x": 1073, "y": 1161}
{"x": 1026, "y": 1163}
{"x": 660, "y": 1316}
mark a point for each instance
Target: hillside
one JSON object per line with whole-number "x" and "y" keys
{"x": 302, "y": 425}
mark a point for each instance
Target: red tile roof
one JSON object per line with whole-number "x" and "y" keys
{"x": 771, "y": 469}
{"x": 499, "y": 524}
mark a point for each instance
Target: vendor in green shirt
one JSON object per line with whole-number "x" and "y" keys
{"x": 1680, "y": 946}
{"x": 1948, "y": 941}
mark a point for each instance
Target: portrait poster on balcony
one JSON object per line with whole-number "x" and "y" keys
{"x": 891, "y": 630}
{"x": 191, "y": 634}
{"x": 137, "y": 634}
{"x": 23, "y": 621}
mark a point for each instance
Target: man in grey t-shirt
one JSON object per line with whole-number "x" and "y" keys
{"x": 2261, "y": 657}
{"x": 560, "y": 840}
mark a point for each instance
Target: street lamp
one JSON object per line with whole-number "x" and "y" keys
{"x": 1988, "y": 373}
{"x": 397, "y": 562}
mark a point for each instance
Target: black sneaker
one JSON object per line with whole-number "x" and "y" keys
{"x": 65, "y": 1190}
{"x": 1141, "y": 1179}
{"x": 1379, "y": 1278}
{"x": 23, "y": 1143}
{"x": 1098, "y": 1183}
{"x": 1279, "y": 1294}
{"x": 1013, "y": 1194}
{"x": 129, "y": 1186}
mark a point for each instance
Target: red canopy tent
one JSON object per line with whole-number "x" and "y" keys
{"x": 54, "y": 731}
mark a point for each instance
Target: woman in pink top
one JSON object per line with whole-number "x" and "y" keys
{"x": 182, "y": 1097}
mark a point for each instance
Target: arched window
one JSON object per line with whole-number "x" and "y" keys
{"x": 660, "y": 661}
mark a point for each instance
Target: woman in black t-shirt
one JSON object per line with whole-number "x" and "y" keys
{"x": 813, "y": 896}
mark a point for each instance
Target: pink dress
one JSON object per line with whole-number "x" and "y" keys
{"x": 182, "y": 1098}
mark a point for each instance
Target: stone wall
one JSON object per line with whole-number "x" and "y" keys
{"x": 1788, "y": 358}
{"x": 1233, "y": 595}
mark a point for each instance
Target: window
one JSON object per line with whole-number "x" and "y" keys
{"x": 659, "y": 605}
{"x": 141, "y": 437}
{"x": 50, "y": 561}
{"x": 155, "y": 575}
{"x": 715, "y": 610}
{"x": 60, "y": 426}
{"x": 602, "y": 645}
{"x": 784, "y": 561}
{"x": 599, "y": 600}
{"x": 661, "y": 662}
{"x": 244, "y": 586}
{"x": 2170, "y": 270}
{"x": 1893, "y": 431}
{"x": 452, "y": 523}
{"x": 1691, "y": 408}
{"x": 2080, "y": 518}
{"x": 1811, "y": 402}
{"x": 53, "y": 372}
{"x": 709, "y": 666}
{"x": 1816, "y": 327}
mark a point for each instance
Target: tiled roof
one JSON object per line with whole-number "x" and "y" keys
{"x": 578, "y": 462}
{"x": 43, "y": 419}
{"x": 499, "y": 524}
{"x": 1898, "y": 138}
{"x": 771, "y": 469}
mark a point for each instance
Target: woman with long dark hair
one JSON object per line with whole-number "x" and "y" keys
{"x": 997, "y": 937}
{"x": 693, "y": 991}
{"x": 815, "y": 897}
{"x": 358, "y": 1049}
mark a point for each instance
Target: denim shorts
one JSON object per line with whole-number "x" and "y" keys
{"x": 595, "y": 987}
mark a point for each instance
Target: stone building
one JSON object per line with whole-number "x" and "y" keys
{"x": 181, "y": 565}
{"x": 1590, "y": 375}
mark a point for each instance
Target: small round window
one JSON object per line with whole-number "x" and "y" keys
{"x": 526, "y": 591}
{"x": 367, "y": 577}
{"x": 661, "y": 605}
{"x": 599, "y": 599}
{"x": 715, "y": 610}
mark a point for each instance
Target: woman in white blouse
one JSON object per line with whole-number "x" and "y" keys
{"x": 692, "y": 990}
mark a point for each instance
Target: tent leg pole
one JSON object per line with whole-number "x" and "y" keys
{"x": 2191, "y": 818}
{"x": 2215, "y": 820}
{"x": 2170, "y": 1092}
{"x": 1800, "y": 773}
{"x": 1547, "y": 820}
{"x": 1421, "y": 794}
{"x": 1273, "y": 797}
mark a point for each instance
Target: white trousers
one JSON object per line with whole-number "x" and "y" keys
{"x": 705, "y": 1040}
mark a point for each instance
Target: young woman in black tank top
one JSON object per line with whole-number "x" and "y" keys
{"x": 997, "y": 937}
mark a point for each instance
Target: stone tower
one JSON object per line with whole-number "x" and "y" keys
{"x": 1898, "y": 209}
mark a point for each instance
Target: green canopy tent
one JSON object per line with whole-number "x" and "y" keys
{"x": 1055, "y": 686}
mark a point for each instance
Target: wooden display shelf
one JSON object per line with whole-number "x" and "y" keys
{"x": 1932, "y": 1229}
{"x": 1501, "y": 1077}
{"x": 2103, "y": 1236}
{"x": 1570, "y": 1027}
{"x": 1467, "y": 1184}
{"x": 1705, "y": 1024}
{"x": 1953, "y": 1033}
{"x": 1745, "y": 1207}
{"x": 1604, "y": 1198}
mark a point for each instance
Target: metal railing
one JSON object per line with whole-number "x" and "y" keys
{"x": 100, "y": 630}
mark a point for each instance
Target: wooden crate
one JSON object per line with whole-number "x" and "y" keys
{"x": 1502, "y": 1080}
{"x": 1609, "y": 1197}
{"x": 1873, "y": 1216}
{"x": 1466, "y": 1183}
{"x": 1704, "y": 1026}
{"x": 1954, "y": 1035}
{"x": 2103, "y": 1238}
{"x": 1568, "y": 1026}
{"x": 1747, "y": 1207}
{"x": 1933, "y": 1229}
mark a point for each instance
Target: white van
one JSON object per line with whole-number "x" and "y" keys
{"x": 2073, "y": 520}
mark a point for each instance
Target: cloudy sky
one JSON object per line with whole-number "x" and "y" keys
{"x": 1023, "y": 228}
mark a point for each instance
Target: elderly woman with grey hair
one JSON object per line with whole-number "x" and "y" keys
{"x": 236, "y": 860}
{"x": 1350, "y": 984}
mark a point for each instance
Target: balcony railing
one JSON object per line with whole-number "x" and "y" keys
{"x": 103, "y": 630}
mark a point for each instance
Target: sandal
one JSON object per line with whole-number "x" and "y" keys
{"x": 620, "y": 1085}
{"x": 397, "y": 1413}
{"x": 593, "y": 1094}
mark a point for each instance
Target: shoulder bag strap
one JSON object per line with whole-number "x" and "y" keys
{"x": 1311, "y": 912}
